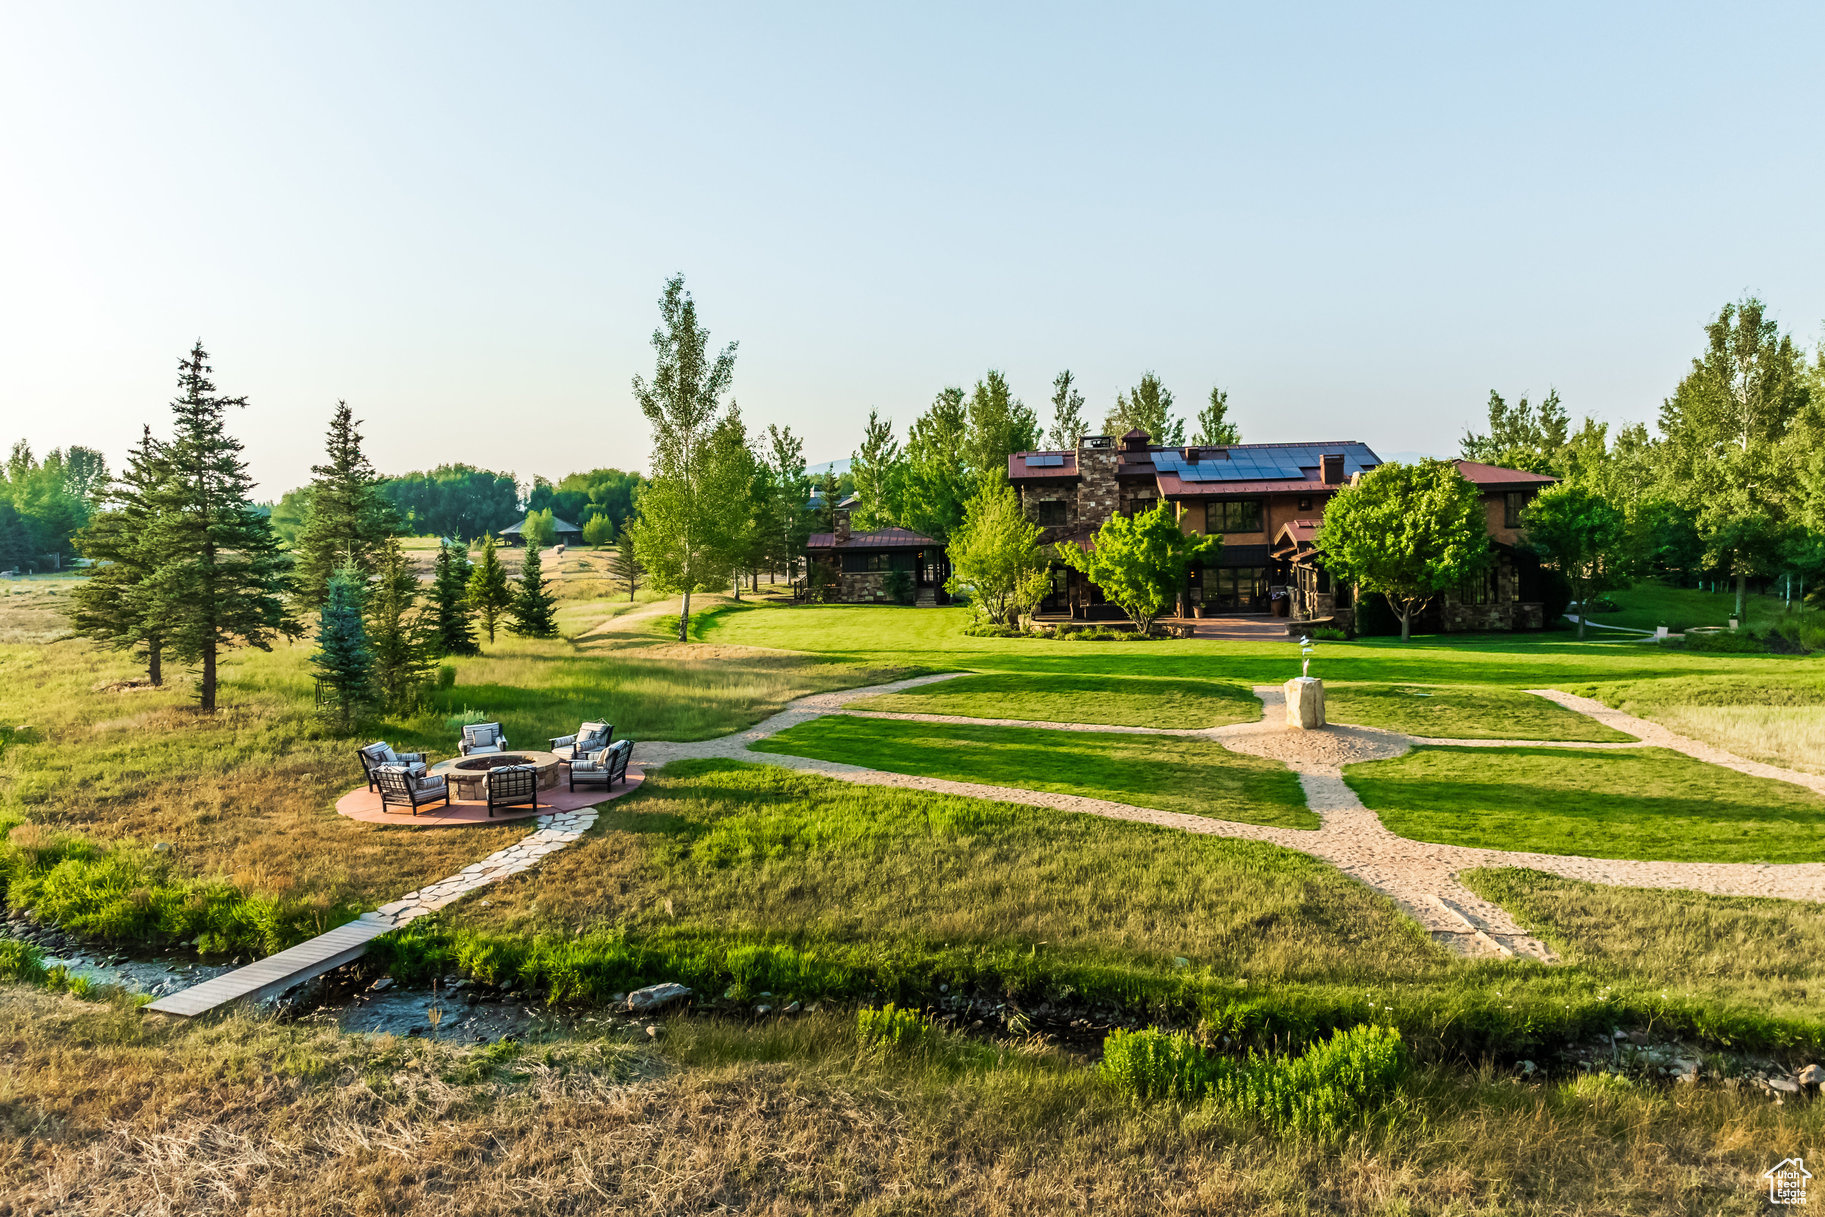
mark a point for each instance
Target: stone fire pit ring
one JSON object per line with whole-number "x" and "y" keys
{"x": 469, "y": 774}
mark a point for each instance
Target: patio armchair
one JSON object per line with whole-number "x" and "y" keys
{"x": 479, "y": 738}
{"x": 410, "y": 787}
{"x": 590, "y": 737}
{"x": 513, "y": 785}
{"x": 381, "y": 753}
{"x": 607, "y": 765}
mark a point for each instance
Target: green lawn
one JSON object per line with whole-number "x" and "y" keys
{"x": 933, "y": 639}
{"x": 1766, "y": 953}
{"x": 1123, "y": 701}
{"x": 1646, "y": 803}
{"x": 1167, "y": 774}
{"x": 1459, "y": 712}
{"x": 1650, "y": 604}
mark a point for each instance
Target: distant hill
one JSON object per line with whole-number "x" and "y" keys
{"x": 837, "y": 467}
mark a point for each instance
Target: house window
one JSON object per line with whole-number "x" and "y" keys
{"x": 1513, "y": 504}
{"x": 858, "y": 564}
{"x": 1236, "y": 587}
{"x": 1233, "y": 515}
{"x": 1305, "y": 502}
{"x": 1479, "y": 588}
{"x": 1138, "y": 506}
{"x": 1051, "y": 513}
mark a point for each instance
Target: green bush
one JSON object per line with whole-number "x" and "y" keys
{"x": 890, "y": 1027}
{"x": 1329, "y": 633}
{"x": 468, "y": 718}
{"x": 989, "y": 629}
{"x": 21, "y": 961}
{"x": 1321, "y": 1091}
{"x": 1102, "y": 633}
{"x": 1726, "y": 642}
{"x": 899, "y": 587}
{"x": 127, "y": 893}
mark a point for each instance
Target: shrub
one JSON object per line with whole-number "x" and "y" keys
{"x": 1725, "y": 642}
{"x": 887, "y": 1028}
{"x": 129, "y": 894}
{"x": 1105, "y": 633}
{"x": 899, "y": 587}
{"x": 1329, "y": 633}
{"x": 988, "y": 629}
{"x": 468, "y": 718}
{"x": 1320, "y": 1091}
{"x": 21, "y": 961}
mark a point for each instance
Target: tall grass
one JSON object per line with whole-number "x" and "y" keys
{"x": 1321, "y": 1091}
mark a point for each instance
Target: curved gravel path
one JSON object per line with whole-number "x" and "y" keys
{"x": 1419, "y": 876}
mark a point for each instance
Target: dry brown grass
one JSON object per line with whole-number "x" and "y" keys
{"x": 1793, "y": 736}
{"x": 103, "y": 1113}
{"x": 31, "y": 609}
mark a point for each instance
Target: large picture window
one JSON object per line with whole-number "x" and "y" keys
{"x": 1242, "y": 588}
{"x": 1233, "y": 515}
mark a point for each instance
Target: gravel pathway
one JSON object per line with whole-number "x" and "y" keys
{"x": 1420, "y": 877}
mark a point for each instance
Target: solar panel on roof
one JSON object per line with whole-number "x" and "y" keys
{"x": 1050, "y": 460}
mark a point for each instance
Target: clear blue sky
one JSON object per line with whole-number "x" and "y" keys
{"x": 1359, "y": 220}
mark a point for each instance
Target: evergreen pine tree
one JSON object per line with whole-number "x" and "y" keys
{"x": 343, "y": 662}
{"x": 489, "y": 593}
{"x": 111, "y": 605}
{"x": 218, "y": 578}
{"x": 349, "y": 519}
{"x": 450, "y": 600}
{"x": 400, "y": 635}
{"x": 534, "y": 609}
{"x": 627, "y": 564}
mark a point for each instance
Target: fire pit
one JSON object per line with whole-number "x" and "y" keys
{"x": 469, "y": 774}
{"x": 494, "y": 760}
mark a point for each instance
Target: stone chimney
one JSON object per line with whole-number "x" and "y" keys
{"x": 841, "y": 519}
{"x": 1098, "y": 497}
{"x": 1332, "y": 468}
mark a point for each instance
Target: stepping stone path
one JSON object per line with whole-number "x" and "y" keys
{"x": 348, "y": 942}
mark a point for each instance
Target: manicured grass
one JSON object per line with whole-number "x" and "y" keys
{"x": 1192, "y": 776}
{"x": 1766, "y": 953}
{"x": 1459, "y": 712}
{"x": 1647, "y": 803}
{"x": 1123, "y": 701}
{"x": 933, "y": 639}
{"x": 1650, "y": 604}
{"x": 724, "y": 851}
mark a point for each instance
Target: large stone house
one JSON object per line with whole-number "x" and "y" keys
{"x": 1267, "y": 501}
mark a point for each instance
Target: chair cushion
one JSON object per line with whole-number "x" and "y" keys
{"x": 478, "y": 735}
{"x": 381, "y": 754}
{"x": 475, "y": 749}
{"x": 431, "y": 784}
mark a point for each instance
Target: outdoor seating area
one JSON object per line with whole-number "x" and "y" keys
{"x": 487, "y": 779}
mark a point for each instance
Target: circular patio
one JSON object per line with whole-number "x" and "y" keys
{"x": 364, "y": 805}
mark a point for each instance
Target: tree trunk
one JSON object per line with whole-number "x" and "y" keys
{"x": 1406, "y": 624}
{"x": 208, "y": 698}
{"x": 155, "y": 662}
{"x": 684, "y": 620}
{"x": 1742, "y": 590}
{"x": 1583, "y": 612}
{"x": 738, "y": 587}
